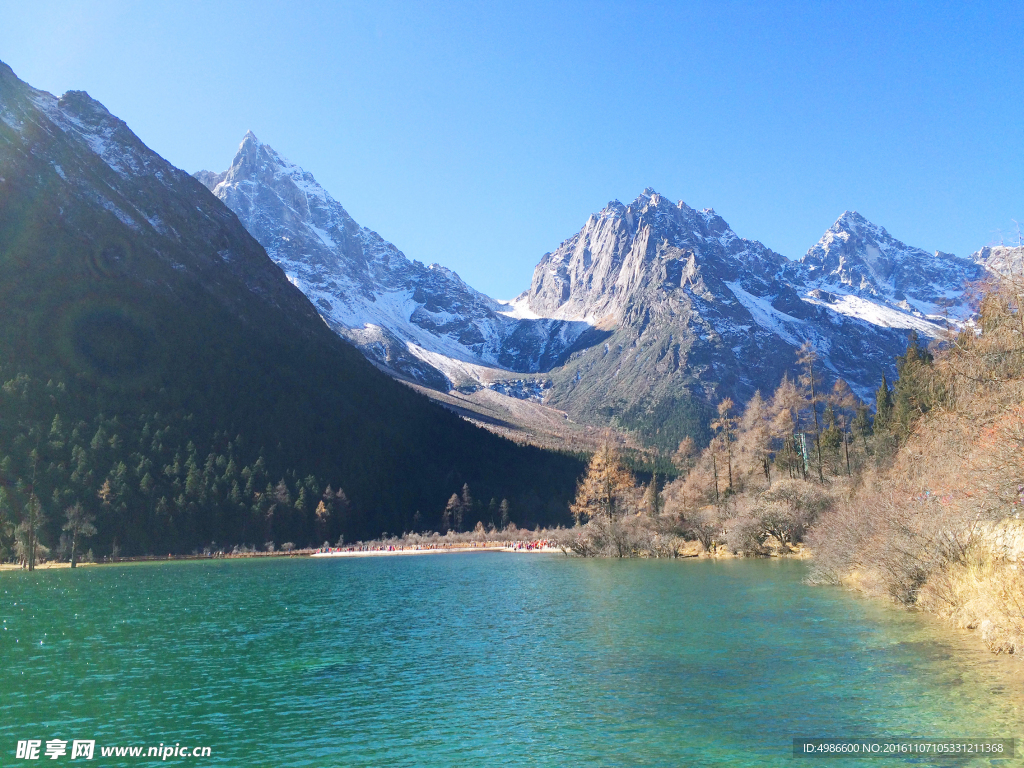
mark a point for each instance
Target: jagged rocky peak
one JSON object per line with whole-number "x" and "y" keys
{"x": 209, "y": 179}
{"x": 258, "y": 162}
{"x": 422, "y": 322}
{"x": 855, "y": 252}
{"x": 285, "y": 208}
{"x": 851, "y": 221}
{"x": 82, "y": 119}
{"x": 856, "y": 256}
{"x": 84, "y": 106}
{"x": 628, "y": 248}
{"x": 250, "y": 157}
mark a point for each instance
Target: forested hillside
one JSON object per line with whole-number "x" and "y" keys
{"x": 159, "y": 369}
{"x": 937, "y": 522}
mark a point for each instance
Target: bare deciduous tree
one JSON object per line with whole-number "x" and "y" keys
{"x": 78, "y": 525}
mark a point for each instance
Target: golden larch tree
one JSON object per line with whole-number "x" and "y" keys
{"x": 606, "y": 488}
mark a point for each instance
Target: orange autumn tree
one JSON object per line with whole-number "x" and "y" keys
{"x": 606, "y": 489}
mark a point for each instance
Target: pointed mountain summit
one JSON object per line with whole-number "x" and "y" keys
{"x": 420, "y": 322}
{"x": 858, "y": 257}
{"x": 598, "y": 272}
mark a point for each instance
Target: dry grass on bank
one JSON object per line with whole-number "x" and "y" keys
{"x": 983, "y": 591}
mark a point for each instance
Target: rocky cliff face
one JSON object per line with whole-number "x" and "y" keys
{"x": 1001, "y": 259}
{"x": 693, "y": 309}
{"x": 422, "y": 322}
{"x": 621, "y": 251}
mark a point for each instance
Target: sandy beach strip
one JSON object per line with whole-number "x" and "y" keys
{"x": 438, "y": 551}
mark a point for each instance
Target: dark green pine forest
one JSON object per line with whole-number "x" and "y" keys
{"x": 159, "y": 370}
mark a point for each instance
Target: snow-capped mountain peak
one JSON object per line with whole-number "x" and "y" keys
{"x": 860, "y": 258}
{"x": 422, "y": 322}
{"x": 598, "y": 272}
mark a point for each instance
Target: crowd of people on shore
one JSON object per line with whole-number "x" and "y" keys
{"x": 528, "y": 546}
{"x": 392, "y": 547}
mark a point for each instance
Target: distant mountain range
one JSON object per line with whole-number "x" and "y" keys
{"x": 131, "y": 295}
{"x": 645, "y": 317}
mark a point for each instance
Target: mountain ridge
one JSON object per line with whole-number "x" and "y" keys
{"x": 650, "y": 305}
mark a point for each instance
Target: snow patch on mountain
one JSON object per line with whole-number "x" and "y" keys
{"x": 876, "y": 314}
{"x": 767, "y": 316}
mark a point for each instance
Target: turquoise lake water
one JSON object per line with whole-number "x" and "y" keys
{"x": 486, "y": 659}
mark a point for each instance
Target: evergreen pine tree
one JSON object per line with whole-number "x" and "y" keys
{"x": 7, "y": 525}
{"x": 448, "y": 516}
{"x": 883, "y": 407}
{"x": 831, "y": 440}
{"x": 465, "y": 506}
{"x": 652, "y": 498}
{"x": 861, "y": 425}
{"x": 28, "y": 532}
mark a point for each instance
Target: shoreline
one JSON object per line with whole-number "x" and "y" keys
{"x": 692, "y": 552}
{"x": 56, "y": 565}
{"x": 454, "y": 550}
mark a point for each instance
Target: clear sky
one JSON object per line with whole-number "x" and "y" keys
{"x": 481, "y": 134}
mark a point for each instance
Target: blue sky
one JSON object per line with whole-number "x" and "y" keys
{"x": 480, "y": 135}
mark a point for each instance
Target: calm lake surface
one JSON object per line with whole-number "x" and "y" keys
{"x": 481, "y": 660}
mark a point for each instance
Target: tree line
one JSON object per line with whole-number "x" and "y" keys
{"x": 933, "y": 522}
{"x": 768, "y": 472}
{"x": 126, "y": 485}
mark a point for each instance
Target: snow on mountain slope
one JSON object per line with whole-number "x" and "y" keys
{"x": 694, "y": 309}
{"x": 855, "y": 257}
{"x": 422, "y": 322}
